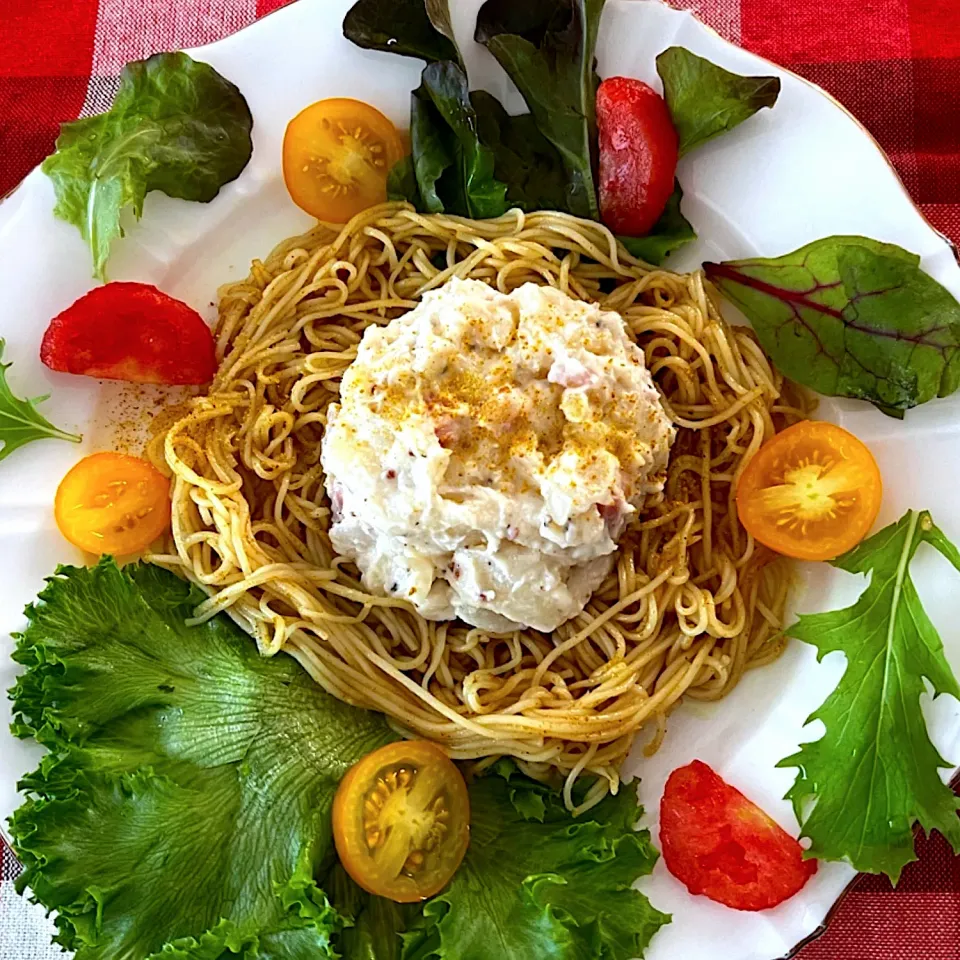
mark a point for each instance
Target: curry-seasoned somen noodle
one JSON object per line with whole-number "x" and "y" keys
{"x": 686, "y": 602}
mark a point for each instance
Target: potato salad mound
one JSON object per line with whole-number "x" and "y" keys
{"x": 488, "y": 451}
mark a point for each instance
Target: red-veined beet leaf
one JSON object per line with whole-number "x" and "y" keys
{"x": 851, "y": 317}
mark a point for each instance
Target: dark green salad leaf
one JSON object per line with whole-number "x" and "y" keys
{"x": 183, "y": 809}
{"x": 547, "y": 48}
{"x": 524, "y": 159}
{"x": 186, "y": 797}
{"x": 176, "y": 126}
{"x": 466, "y": 184}
{"x": 406, "y": 27}
{"x": 450, "y": 169}
{"x": 415, "y": 178}
{"x": 873, "y": 775}
{"x": 402, "y": 182}
{"x": 537, "y": 884}
{"x": 439, "y": 13}
{"x": 705, "y": 100}
{"x": 20, "y": 421}
{"x": 671, "y": 232}
{"x": 851, "y": 317}
{"x": 469, "y": 156}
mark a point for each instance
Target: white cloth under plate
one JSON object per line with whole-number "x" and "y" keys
{"x": 25, "y": 933}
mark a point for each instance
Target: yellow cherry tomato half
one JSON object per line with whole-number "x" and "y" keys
{"x": 401, "y": 821}
{"x": 336, "y": 157}
{"x": 811, "y": 492}
{"x": 113, "y": 503}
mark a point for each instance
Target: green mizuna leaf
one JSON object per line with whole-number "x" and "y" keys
{"x": 671, "y": 232}
{"x": 183, "y": 810}
{"x": 874, "y": 774}
{"x": 537, "y": 883}
{"x": 20, "y": 421}
{"x": 547, "y": 48}
{"x": 851, "y": 317}
{"x": 175, "y": 125}
{"x": 705, "y": 100}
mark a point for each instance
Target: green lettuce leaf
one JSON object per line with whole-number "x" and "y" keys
{"x": 184, "y": 807}
{"x": 535, "y": 882}
{"x": 874, "y": 774}
{"x": 851, "y": 317}
{"x": 671, "y": 232}
{"x": 705, "y": 100}
{"x": 176, "y": 126}
{"x": 374, "y": 925}
{"x": 538, "y": 883}
{"x": 20, "y": 421}
{"x": 547, "y": 48}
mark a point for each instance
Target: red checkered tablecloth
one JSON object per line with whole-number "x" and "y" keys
{"x": 894, "y": 63}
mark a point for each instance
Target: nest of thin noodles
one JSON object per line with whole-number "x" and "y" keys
{"x": 691, "y": 604}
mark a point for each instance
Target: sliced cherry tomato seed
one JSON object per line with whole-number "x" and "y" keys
{"x": 812, "y": 492}
{"x": 401, "y": 821}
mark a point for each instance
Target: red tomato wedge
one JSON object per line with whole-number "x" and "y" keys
{"x": 719, "y": 844}
{"x": 638, "y": 155}
{"x": 134, "y": 332}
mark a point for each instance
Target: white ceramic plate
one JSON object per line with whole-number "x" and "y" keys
{"x": 801, "y": 171}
